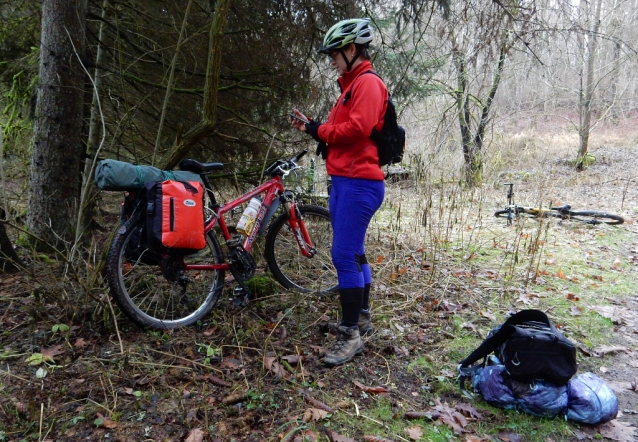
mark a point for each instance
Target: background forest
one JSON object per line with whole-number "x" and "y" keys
{"x": 541, "y": 93}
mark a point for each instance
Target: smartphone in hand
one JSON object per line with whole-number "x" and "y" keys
{"x": 297, "y": 117}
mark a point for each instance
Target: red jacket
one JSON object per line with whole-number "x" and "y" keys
{"x": 351, "y": 152}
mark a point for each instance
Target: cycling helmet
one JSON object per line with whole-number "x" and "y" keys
{"x": 355, "y": 30}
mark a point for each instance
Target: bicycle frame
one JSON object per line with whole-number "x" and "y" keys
{"x": 272, "y": 189}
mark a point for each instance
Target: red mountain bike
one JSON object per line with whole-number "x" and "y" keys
{"x": 163, "y": 292}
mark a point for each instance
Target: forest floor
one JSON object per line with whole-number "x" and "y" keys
{"x": 67, "y": 373}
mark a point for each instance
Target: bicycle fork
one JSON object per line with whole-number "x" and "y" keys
{"x": 299, "y": 230}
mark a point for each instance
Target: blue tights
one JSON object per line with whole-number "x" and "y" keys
{"x": 353, "y": 202}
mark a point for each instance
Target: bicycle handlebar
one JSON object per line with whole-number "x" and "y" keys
{"x": 284, "y": 167}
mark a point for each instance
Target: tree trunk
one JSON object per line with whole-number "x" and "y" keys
{"x": 9, "y": 260}
{"x": 90, "y": 192}
{"x": 57, "y": 134}
{"x": 591, "y": 43}
{"x": 206, "y": 125}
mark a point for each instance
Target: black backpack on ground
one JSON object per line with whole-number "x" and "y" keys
{"x": 530, "y": 347}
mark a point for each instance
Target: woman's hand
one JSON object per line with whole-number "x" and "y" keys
{"x": 299, "y": 123}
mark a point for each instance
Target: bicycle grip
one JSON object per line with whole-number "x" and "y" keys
{"x": 299, "y": 156}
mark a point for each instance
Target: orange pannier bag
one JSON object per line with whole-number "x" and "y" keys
{"x": 175, "y": 217}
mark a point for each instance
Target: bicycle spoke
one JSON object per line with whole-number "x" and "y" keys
{"x": 152, "y": 295}
{"x": 288, "y": 264}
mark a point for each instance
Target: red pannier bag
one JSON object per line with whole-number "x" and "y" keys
{"x": 175, "y": 217}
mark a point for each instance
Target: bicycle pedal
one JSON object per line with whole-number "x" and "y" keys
{"x": 234, "y": 242}
{"x": 240, "y": 297}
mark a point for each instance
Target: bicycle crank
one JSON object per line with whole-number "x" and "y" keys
{"x": 242, "y": 267}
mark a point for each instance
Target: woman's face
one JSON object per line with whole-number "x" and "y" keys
{"x": 337, "y": 61}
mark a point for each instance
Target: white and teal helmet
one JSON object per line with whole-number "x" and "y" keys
{"x": 355, "y": 30}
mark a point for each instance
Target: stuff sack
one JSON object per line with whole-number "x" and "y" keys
{"x": 175, "y": 217}
{"x": 390, "y": 140}
{"x": 530, "y": 347}
{"x": 120, "y": 175}
{"x": 537, "y": 398}
{"x": 591, "y": 401}
{"x": 585, "y": 399}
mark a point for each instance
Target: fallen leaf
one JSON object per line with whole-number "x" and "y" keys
{"x": 210, "y": 331}
{"x": 375, "y": 439}
{"x": 314, "y": 415}
{"x": 51, "y": 352}
{"x": 376, "y": 390}
{"x": 449, "y": 416}
{"x": 605, "y": 349}
{"x": 572, "y": 297}
{"x": 191, "y": 415}
{"x": 560, "y": 274}
{"x": 278, "y": 370}
{"x": 336, "y": 437}
{"x": 101, "y": 421}
{"x": 21, "y": 407}
{"x": 312, "y": 401}
{"x": 469, "y": 410}
{"x": 414, "y": 433}
{"x": 80, "y": 343}
{"x": 488, "y": 315}
{"x": 215, "y": 380}
{"x": 419, "y": 415}
{"x": 618, "y": 431}
{"x": 292, "y": 359}
{"x": 509, "y": 436}
{"x": 575, "y": 311}
{"x": 195, "y": 435}
{"x": 234, "y": 398}
{"x": 231, "y": 363}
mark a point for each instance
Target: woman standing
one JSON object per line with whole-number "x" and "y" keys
{"x": 357, "y": 179}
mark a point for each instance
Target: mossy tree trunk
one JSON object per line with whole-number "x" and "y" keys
{"x": 54, "y": 189}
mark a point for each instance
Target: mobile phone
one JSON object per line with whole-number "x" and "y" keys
{"x": 297, "y": 117}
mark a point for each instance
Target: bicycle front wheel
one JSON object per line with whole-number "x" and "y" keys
{"x": 289, "y": 266}
{"x": 596, "y": 217}
{"x": 156, "y": 291}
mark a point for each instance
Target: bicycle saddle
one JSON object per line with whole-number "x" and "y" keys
{"x": 195, "y": 166}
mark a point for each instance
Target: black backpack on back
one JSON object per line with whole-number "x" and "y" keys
{"x": 390, "y": 140}
{"x": 530, "y": 347}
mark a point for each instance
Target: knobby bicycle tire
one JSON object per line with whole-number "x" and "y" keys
{"x": 145, "y": 285}
{"x": 595, "y": 217}
{"x": 289, "y": 266}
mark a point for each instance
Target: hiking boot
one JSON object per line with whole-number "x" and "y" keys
{"x": 347, "y": 346}
{"x": 364, "y": 323}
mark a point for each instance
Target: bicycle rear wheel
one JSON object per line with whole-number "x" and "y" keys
{"x": 596, "y": 217}
{"x": 156, "y": 291}
{"x": 289, "y": 266}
